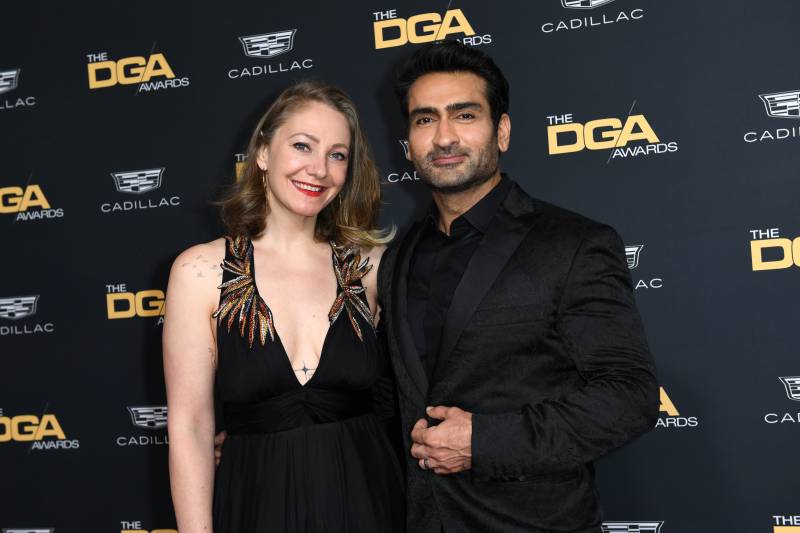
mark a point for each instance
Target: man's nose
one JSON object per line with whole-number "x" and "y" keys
{"x": 446, "y": 135}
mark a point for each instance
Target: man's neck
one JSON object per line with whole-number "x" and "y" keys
{"x": 453, "y": 205}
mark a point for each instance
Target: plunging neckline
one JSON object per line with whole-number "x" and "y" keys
{"x": 278, "y": 339}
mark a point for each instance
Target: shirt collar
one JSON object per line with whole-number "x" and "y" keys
{"x": 479, "y": 215}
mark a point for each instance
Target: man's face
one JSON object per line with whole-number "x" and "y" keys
{"x": 451, "y": 139}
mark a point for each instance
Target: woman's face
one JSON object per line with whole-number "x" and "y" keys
{"x": 306, "y": 160}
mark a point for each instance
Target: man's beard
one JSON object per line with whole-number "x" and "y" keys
{"x": 475, "y": 172}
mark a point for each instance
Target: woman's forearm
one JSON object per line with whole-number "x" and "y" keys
{"x": 191, "y": 467}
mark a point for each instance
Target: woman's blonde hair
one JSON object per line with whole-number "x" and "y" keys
{"x": 351, "y": 218}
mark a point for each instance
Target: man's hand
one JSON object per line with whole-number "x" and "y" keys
{"x": 446, "y": 448}
{"x": 219, "y": 438}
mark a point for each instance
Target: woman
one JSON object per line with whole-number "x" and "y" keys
{"x": 285, "y": 326}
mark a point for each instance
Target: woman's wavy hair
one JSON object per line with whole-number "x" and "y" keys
{"x": 349, "y": 219}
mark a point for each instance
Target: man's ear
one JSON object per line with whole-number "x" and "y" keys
{"x": 262, "y": 158}
{"x": 504, "y": 132}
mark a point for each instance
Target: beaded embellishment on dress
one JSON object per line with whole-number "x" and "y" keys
{"x": 349, "y": 270}
{"x": 239, "y": 296}
{"x": 241, "y": 300}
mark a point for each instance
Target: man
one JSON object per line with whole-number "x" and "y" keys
{"x": 517, "y": 347}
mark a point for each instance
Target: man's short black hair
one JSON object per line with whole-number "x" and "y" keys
{"x": 452, "y": 56}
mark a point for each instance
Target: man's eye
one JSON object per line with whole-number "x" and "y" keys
{"x": 466, "y": 116}
{"x": 303, "y": 147}
{"x": 424, "y": 120}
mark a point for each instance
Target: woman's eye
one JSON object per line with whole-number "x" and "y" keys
{"x": 303, "y": 147}
{"x": 339, "y": 156}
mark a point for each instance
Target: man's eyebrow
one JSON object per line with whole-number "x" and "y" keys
{"x": 423, "y": 111}
{"x": 458, "y": 106}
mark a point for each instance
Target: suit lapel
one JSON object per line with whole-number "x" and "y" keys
{"x": 400, "y": 326}
{"x": 506, "y": 231}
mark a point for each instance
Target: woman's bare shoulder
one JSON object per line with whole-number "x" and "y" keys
{"x": 200, "y": 264}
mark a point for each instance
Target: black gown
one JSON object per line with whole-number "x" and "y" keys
{"x": 301, "y": 458}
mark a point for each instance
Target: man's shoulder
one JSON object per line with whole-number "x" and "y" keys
{"x": 564, "y": 223}
{"x": 392, "y": 248}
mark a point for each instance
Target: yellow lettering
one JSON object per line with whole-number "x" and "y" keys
{"x": 611, "y": 135}
{"x": 645, "y": 132}
{"x": 381, "y": 41}
{"x": 462, "y": 25}
{"x": 157, "y": 66}
{"x": 23, "y": 428}
{"x": 94, "y": 81}
{"x": 34, "y": 197}
{"x": 111, "y": 305}
{"x": 552, "y": 138}
{"x": 5, "y": 424}
{"x": 153, "y": 307}
{"x": 49, "y": 427}
{"x": 130, "y": 70}
{"x": 429, "y": 31}
{"x": 756, "y": 252}
{"x": 9, "y": 199}
{"x": 431, "y": 28}
{"x": 666, "y": 404}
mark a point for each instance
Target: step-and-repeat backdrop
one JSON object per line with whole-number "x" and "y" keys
{"x": 678, "y": 122}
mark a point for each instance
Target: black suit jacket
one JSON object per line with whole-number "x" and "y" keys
{"x": 544, "y": 344}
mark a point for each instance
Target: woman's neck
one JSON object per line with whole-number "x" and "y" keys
{"x": 288, "y": 232}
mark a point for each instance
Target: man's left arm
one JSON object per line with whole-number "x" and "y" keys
{"x": 602, "y": 330}
{"x": 601, "y": 327}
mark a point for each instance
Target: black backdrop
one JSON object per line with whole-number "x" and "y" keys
{"x": 100, "y": 188}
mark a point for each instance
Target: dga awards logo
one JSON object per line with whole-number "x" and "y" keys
{"x": 149, "y": 74}
{"x": 632, "y": 527}
{"x": 783, "y": 105}
{"x": 670, "y": 417}
{"x": 267, "y": 46}
{"x": 9, "y": 81}
{"x": 403, "y": 176}
{"x": 391, "y": 31}
{"x": 135, "y": 526}
{"x": 139, "y": 182}
{"x": 122, "y": 303}
{"x": 44, "y": 432}
{"x": 27, "y": 203}
{"x": 630, "y": 137}
{"x": 590, "y": 21}
{"x": 152, "y": 419}
{"x": 791, "y": 385}
{"x": 632, "y": 255}
{"x": 770, "y": 251}
{"x": 786, "y": 524}
{"x": 14, "y": 314}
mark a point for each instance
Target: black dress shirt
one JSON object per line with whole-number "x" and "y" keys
{"x": 437, "y": 265}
